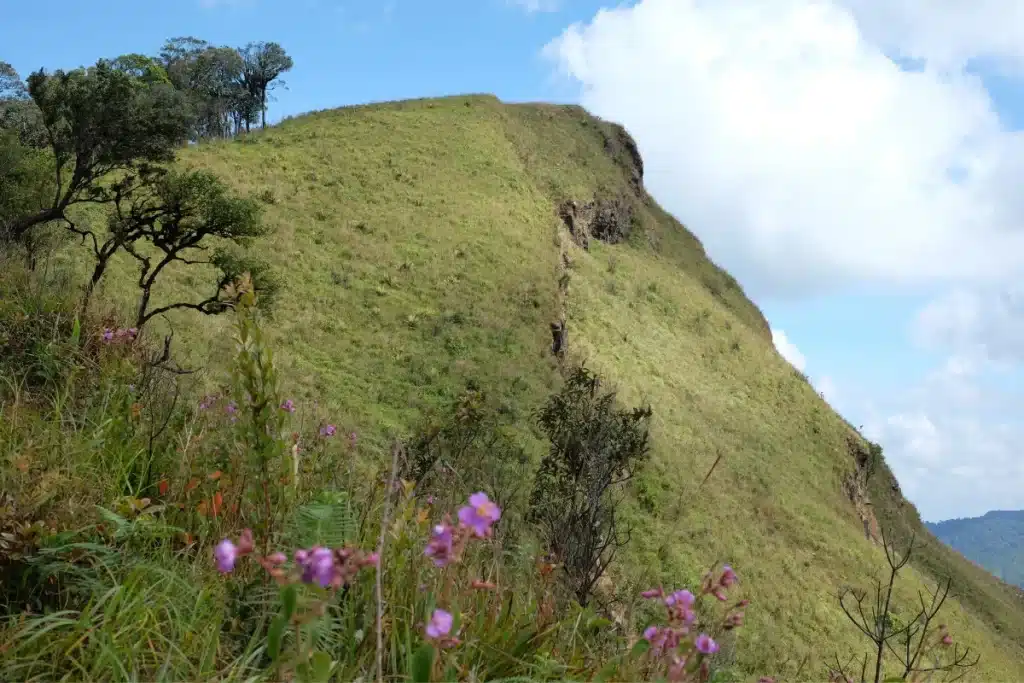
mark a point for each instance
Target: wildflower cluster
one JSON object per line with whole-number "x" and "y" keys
{"x": 326, "y": 567}
{"x": 445, "y": 546}
{"x": 112, "y": 335}
{"x": 678, "y": 648}
{"x": 476, "y": 519}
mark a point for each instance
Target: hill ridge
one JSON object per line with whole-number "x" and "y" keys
{"x": 425, "y": 251}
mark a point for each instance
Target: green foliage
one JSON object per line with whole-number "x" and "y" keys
{"x": 176, "y": 215}
{"x": 18, "y": 113}
{"x": 596, "y": 447}
{"x": 469, "y": 446}
{"x": 98, "y": 121}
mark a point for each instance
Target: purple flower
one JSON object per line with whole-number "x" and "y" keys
{"x": 439, "y": 547}
{"x": 650, "y": 633}
{"x": 682, "y": 598}
{"x": 231, "y": 408}
{"x": 108, "y": 334}
{"x": 225, "y": 553}
{"x": 480, "y": 514}
{"x": 728, "y": 577}
{"x": 653, "y": 593}
{"x": 440, "y": 624}
{"x": 288, "y": 406}
{"x": 328, "y": 430}
{"x": 319, "y": 567}
{"x": 705, "y": 645}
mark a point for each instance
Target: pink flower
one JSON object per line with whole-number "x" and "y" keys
{"x": 328, "y": 430}
{"x": 653, "y": 593}
{"x": 133, "y": 332}
{"x": 439, "y": 547}
{"x": 277, "y": 558}
{"x": 372, "y": 560}
{"x": 682, "y": 598}
{"x": 225, "y": 553}
{"x": 947, "y": 639}
{"x": 440, "y": 624}
{"x": 480, "y": 514}
{"x": 288, "y": 406}
{"x": 728, "y": 577}
{"x": 705, "y": 645}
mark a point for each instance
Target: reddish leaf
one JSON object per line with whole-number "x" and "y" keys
{"x": 214, "y": 476}
{"x": 218, "y": 501}
{"x": 163, "y": 486}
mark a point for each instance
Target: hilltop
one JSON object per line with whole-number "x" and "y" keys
{"x": 433, "y": 244}
{"x": 995, "y": 541}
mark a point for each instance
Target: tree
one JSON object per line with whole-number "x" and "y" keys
{"x": 17, "y": 110}
{"x": 26, "y": 186}
{"x": 596, "y": 447}
{"x": 911, "y": 641}
{"x": 262, "y": 65}
{"x": 211, "y": 77}
{"x": 99, "y": 121}
{"x": 161, "y": 218}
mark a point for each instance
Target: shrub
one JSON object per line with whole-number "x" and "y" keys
{"x": 596, "y": 447}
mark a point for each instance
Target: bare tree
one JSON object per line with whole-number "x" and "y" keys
{"x": 919, "y": 648}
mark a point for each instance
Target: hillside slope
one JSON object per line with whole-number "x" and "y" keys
{"x": 995, "y": 541}
{"x": 427, "y": 244}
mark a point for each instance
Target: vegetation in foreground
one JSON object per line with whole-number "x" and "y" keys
{"x": 120, "y": 482}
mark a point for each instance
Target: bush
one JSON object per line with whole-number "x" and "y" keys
{"x": 596, "y": 447}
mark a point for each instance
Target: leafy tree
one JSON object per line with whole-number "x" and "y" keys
{"x": 596, "y": 447}
{"x": 17, "y": 110}
{"x": 262, "y": 65}
{"x": 211, "y": 77}
{"x": 26, "y": 186}
{"x": 161, "y": 218}
{"x": 145, "y": 69}
{"x": 99, "y": 121}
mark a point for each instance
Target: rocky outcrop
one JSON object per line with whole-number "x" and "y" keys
{"x": 610, "y": 220}
{"x": 621, "y": 147}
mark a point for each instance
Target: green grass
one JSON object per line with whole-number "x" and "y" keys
{"x": 421, "y": 250}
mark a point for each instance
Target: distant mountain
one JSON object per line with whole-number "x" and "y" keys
{"x": 995, "y": 541}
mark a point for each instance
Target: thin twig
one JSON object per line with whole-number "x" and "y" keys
{"x": 395, "y": 449}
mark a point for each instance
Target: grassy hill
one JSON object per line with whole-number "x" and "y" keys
{"x": 424, "y": 245}
{"x": 995, "y": 541}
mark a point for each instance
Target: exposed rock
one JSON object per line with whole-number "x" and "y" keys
{"x": 559, "y": 338}
{"x": 621, "y": 146}
{"x": 609, "y": 220}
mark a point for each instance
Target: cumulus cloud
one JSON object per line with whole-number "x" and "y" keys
{"x": 953, "y": 441}
{"x": 788, "y": 350}
{"x": 789, "y": 135}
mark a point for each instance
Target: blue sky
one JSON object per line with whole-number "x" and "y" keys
{"x": 855, "y": 164}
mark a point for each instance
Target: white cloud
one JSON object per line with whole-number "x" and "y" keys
{"x": 788, "y": 350}
{"x": 532, "y": 6}
{"x": 953, "y": 441}
{"x": 986, "y": 322}
{"x": 804, "y": 157}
